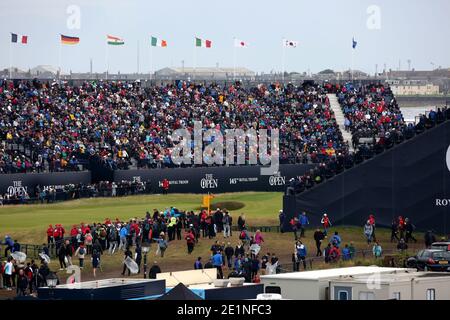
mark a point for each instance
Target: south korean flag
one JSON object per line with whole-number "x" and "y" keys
{"x": 290, "y": 43}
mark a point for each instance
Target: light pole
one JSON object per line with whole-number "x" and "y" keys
{"x": 145, "y": 250}
{"x": 52, "y": 280}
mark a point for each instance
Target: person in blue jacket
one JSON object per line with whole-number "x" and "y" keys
{"x": 303, "y": 220}
{"x": 336, "y": 240}
{"x": 301, "y": 251}
{"x": 16, "y": 246}
{"x": 9, "y": 245}
{"x": 217, "y": 262}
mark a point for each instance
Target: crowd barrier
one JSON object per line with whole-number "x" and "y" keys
{"x": 24, "y": 188}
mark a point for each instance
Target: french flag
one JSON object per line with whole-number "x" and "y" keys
{"x": 19, "y": 38}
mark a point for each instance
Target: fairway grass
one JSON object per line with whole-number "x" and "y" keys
{"x": 28, "y": 223}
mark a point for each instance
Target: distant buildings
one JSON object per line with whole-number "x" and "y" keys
{"x": 413, "y": 88}
{"x": 205, "y": 73}
{"x": 404, "y": 83}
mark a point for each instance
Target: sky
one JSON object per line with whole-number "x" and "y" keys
{"x": 387, "y": 31}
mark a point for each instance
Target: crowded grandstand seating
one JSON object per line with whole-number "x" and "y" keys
{"x": 376, "y": 123}
{"x": 371, "y": 112}
{"x": 54, "y": 127}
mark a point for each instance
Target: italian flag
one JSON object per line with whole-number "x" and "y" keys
{"x": 156, "y": 42}
{"x": 203, "y": 43}
{"x": 114, "y": 41}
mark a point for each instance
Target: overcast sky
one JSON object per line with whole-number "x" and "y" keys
{"x": 386, "y": 31}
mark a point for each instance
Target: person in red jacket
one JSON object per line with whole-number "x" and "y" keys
{"x": 326, "y": 223}
{"x": 165, "y": 186}
{"x": 84, "y": 228}
{"x": 190, "y": 240}
{"x": 74, "y": 231}
{"x": 401, "y": 227}
{"x": 56, "y": 233}
{"x": 50, "y": 238}
{"x": 335, "y": 254}
{"x": 372, "y": 223}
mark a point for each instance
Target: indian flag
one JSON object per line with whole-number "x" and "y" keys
{"x": 156, "y": 42}
{"x": 114, "y": 41}
{"x": 203, "y": 43}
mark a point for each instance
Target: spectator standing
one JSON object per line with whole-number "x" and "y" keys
{"x": 217, "y": 263}
{"x": 229, "y": 252}
{"x": 7, "y": 273}
{"x": 281, "y": 217}
{"x": 88, "y": 241}
{"x": 112, "y": 239}
{"x": 336, "y": 240}
{"x": 319, "y": 236}
{"x": 138, "y": 256}
{"x": 372, "y": 223}
{"x": 62, "y": 257}
{"x": 346, "y": 253}
{"x": 22, "y": 283}
{"x": 226, "y": 225}
{"x": 162, "y": 245}
{"x": 409, "y": 228}
{"x": 259, "y": 238}
{"x": 80, "y": 253}
{"x": 394, "y": 231}
{"x": 304, "y": 221}
{"x": 352, "y": 250}
{"x": 198, "y": 264}
{"x": 402, "y": 245}
{"x": 334, "y": 253}
{"x": 429, "y": 238}
{"x": 300, "y": 249}
{"x": 165, "y": 186}
{"x": 95, "y": 261}
{"x": 377, "y": 250}
{"x": 127, "y": 254}
{"x": 326, "y": 223}
{"x": 123, "y": 234}
{"x": 255, "y": 268}
{"x": 190, "y": 241}
{"x": 368, "y": 232}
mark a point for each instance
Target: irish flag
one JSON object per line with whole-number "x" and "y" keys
{"x": 156, "y": 42}
{"x": 203, "y": 43}
{"x": 114, "y": 41}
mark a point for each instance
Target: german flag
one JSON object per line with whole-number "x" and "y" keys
{"x": 69, "y": 40}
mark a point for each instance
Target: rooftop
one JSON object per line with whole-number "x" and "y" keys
{"x": 332, "y": 273}
{"x": 396, "y": 277}
{"x": 107, "y": 283}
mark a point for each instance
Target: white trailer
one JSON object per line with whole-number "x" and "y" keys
{"x": 314, "y": 285}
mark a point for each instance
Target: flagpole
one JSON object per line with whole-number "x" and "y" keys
{"x": 137, "y": 58}
{"x": 60, "y": 60}
{"x": 107, "y": 60}
{"x": 353, "y": 62}
{"x": 10, "y": 59}
{"x": 283, "y": 58}
{"x": 195, "y": 61}
{"x": 151, "y": 61}
{"x": 234, "y": 59}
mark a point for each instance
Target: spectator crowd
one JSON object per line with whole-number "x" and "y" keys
{"x": 61, "y": 127}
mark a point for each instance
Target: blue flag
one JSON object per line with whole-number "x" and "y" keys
{"x": 354, "y": 43}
